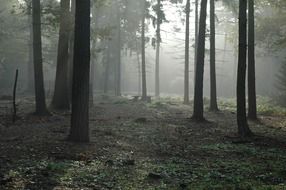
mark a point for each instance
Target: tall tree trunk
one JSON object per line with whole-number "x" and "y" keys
{"x": 235, "y": 57}
{"x": 107, "y": 68}
{"x": 71, "y": 47}
{"x": 158, "y": 39}
{"x": 252, "y": 108}
{"x": 118, "y": 55}
{"x": 187, "y": 53}
{"x": 61, "y": 93}
{"x": 139, "y": 68}
{"x": 79, "y": 131}
{"x": 243, "y": 128}
{"x": 144, "y": 85}
{"x": 91, "y": 83}
{"x": 213, "y": 94}
{"x": 196, "y": 36}
{"x": 41, "y": 108}
{"x": 93, "y": 57}
{"x": 30, "y": 69}
{"x": 198, "y": 113}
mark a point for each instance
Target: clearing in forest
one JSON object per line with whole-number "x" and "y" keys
{"x": 143, "y": 146}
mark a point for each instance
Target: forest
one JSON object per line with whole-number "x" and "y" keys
{"x": 142, "y": 94}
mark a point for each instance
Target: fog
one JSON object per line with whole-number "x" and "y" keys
{"x": 142, "y": 94}
{"x": 15, "y": 47}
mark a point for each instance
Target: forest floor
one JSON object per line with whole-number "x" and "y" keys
{"x": 135, "y": 145}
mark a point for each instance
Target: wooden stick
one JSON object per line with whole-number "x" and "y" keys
{"x": 14, "y": 97}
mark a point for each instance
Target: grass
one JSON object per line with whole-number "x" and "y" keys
{"x": 265, "y": 106}
{"x": 205, "y": 161}
{"x": 227, "y": 166}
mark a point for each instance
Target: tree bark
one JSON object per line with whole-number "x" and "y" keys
{"x": 213, "y": 90}
{"x": 252, "y": 108}
{"x": 187, "y": 55}
{"x": 139, "y": 68}
{"x": 79, "y": 131}
{"x": 41, "y": 108}
{"x": 144, "y": 85}
{"x": 91, "y": 83}
{"x": 107, "y": 68}
{"x": 60, "y": 99}
{"x": 30, "y": 69}
{"x": 198, "y": 113}
{"x": 196, "y": 36}
{"x": 243, "y": 128}
{"x": 158, "y": 39}
{"x": 71, "y": 47}
{"x": 118, "y": 51}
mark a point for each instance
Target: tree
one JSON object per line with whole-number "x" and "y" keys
{"x": 252, "y": 108}
{"x": 213, "y": 95}
{"x": 41, "y": 108}
{"x": 118, "y": 53}
{"x": 71, "y": 47}
{"x": 243, "y": 128}
{"x": 158, "y": 41}
{"x": 30, "y": 81}
{"x": 79, "y": 131}
{"x": 187, "y": 58}
{"x": 144, "y": 85}
{"x": 61, "y": 98}
{"x": 196, "y": 35}
{"x": 107, "y": 65}
{"x": 198, "y": 113}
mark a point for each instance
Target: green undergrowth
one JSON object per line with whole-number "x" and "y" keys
{"x": 223, "y": 166}
{"x": 265, "y": 106}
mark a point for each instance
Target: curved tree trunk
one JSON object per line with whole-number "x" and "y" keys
{"x": 187, "y": 58}
{"x": 41, "y": 108}
{"x": 252, "y": 108}
{"x": 213, "y": 95}
{"x": 79, "y": 131}
{"x": 243, "y": 128}
{"x": 198, "y": 113}
{"x": 61, "y": 93}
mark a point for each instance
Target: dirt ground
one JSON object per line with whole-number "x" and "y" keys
{"x": 140, "y": 146}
